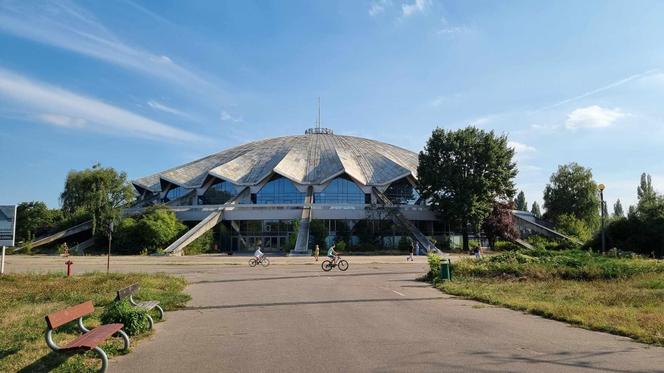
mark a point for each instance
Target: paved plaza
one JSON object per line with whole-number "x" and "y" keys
{"x": 292, "y": 317}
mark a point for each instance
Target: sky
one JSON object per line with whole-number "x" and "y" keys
{"x": 143, "y": 86}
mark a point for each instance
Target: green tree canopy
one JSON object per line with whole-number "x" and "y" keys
{"x": 35, "y": 219}
{"x": 520, "y": 202}
{"x": 153, "y": 231}
{"x": 500, "y": 223}
{"x": 572, "y": 191}
{"x": 535, "y": 210}
{"x": 463, "y": 172}
{"x": 645, "y": 192}
{"x": 618, "y": 209}
{"x": 100, "y": 191}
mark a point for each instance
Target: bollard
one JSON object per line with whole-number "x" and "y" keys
{"x": 69, "y": 263}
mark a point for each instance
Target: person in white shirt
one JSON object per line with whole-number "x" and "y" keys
{"x": 258, "y": 254}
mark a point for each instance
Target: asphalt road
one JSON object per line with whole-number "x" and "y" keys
{"x": 292, "y": 317}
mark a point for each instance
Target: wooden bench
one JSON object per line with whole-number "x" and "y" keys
{"x": 129, "y": 291}
{"x": 90, "y": 339}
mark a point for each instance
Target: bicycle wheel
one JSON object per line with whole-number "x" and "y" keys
{"x": 343, "y": 265}
{"x": 265, "y": 262}
{"x": 252, "y": 262}
{"x": 326, "y": 265}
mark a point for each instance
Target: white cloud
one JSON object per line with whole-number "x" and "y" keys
{"x": 63, "y": 108}
{"x": 448, "y": 29}
{"x": 226, "y": 116}
{"x": 165, "y": 108}
{"x": 419, "y": 6}
{"x": 377, "y": 7}
{"x": 62, "y": 120}
{"x": 521, "y": 148}
{"x": 593, "y": 117}
{"x": 617, "y": 83}
{"x": 65, "y": 25}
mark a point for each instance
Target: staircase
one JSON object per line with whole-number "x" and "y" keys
{"x": 399, "y": 218}
{"x": 302, "y": 243}
{"x": 85, "y": 226}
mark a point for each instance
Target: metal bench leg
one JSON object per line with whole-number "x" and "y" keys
{"x": 49, "y": 340}
{"x": 161, "y": 312}
{"x": 125, "y": 338}
{"x": 104, "y": 359}
{"x": 150, "y": 321}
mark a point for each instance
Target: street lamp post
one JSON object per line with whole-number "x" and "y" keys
{"x": 601, "y": 198}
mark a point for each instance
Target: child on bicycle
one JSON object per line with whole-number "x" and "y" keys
{"x": 258, "y": 254}
{"x": 332, "y": 254}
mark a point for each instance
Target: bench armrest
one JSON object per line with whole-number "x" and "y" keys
{"x": 49, "y": 340}
{"x": 132, "y": 301}
{"x": 82, "y": 327}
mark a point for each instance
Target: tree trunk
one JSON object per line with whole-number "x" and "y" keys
{"x": 464, "y": 232}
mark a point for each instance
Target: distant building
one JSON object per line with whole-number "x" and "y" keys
{"x": 260, "y": 188}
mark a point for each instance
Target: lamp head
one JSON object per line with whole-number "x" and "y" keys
{"x": 601, "y": 187}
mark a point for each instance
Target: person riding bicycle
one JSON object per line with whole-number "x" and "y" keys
{"x": 332, "y": 254}
{"x": 258, "y": 254}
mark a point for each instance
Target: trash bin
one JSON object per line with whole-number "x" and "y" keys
{"x": 445, "y": 269}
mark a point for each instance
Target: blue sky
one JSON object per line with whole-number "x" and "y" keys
{"x": 143, "y": 86}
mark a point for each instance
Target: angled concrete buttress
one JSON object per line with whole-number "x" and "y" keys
{"x": 85, "y": 226}
{"x": 400, "y": 219}
{"x": 541, "y": 229}
{"x": 198, "y": 230}
{"x": 302, "y": 243}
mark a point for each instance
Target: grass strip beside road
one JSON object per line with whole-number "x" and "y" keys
{"x": 623, "y": 296}
{"x": 26, "y": 298}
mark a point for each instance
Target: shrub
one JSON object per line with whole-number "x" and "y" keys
{"x": 341, "y": 246}
{"x": 201, "y": 245}
{"x": 434, "y": 266}
{"x": 135, "y": 319}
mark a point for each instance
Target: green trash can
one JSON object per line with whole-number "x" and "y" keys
{"x": 445, "y": 269}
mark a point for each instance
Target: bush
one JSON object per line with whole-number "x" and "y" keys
{"x": 545, "y": 264}
{"x": 154, "y": 230}
{"x": 573, "y": 227}
{"x": 135, "y": 319}
{"x": 340, "y": 246}
{"x": 505, "y": 246}
{"x": 434, "y": 266}
{"x": 202, "y": 245}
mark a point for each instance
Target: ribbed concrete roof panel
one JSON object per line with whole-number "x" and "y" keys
{"x": 305, "y": 159}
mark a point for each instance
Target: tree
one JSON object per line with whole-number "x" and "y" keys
{"x": 500, "y": 223}
{"x": 618, "y": 209}
{"x": 100, "y": 191}
{"x": 154, "y": 230}
{"x": 535, "y": 210}
{"x": 572, "y": 191}
{"x": 34, "y": 219}
{"x": 464, "y": 172}
{"x": 520, "y": 202}
{"x": 645, "y": 192}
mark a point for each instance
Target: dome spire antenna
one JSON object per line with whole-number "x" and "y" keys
{"x": 318, "y": 129}
{"x": 318, "y": 121}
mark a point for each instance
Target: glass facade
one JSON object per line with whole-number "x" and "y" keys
{"x": 218, "y": 194}
{"x": 341, "y": 190}
{"x": 279, "y": 190}
{"x": 175, "y": 193}
{"x": 402, "y": 192}
{"x": 272, "y": 235}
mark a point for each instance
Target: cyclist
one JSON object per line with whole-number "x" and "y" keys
{"x": 332, "y": 254}
{"x": 258, "y": 254}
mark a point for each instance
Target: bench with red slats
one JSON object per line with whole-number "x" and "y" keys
{"x": 90, "y": 339}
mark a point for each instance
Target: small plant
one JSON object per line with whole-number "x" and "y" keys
{"x": 434, "y": 266}
{"x": 135, "y": 320}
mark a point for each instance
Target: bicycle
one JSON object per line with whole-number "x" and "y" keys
{"x": 262, "y": 260}
{"x": 328, "y": 264}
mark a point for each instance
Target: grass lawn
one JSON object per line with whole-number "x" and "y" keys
{"x": 26, "y": 298}
{"x": 620, "y": 296}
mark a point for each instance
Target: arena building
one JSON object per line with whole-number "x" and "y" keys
{"x": 276, "y": 191}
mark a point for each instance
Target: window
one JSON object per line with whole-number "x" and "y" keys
{"x": 402, "y": 192}
{"x": 279, "y": 190}
{"x": 175, "y": 193}
{"x": 218, "y": 193}
{"x": 341, "y": 190}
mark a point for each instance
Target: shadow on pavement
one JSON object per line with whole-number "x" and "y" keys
{"x": 277, "y": 304}
{"x": 319, "y": 274}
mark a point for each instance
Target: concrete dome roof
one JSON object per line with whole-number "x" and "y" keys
{"x": 309, "y": 159}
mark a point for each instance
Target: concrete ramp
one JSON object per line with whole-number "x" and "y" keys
{"x": 80, "y": 248}
{"x": 400, "y": 219}
{"x": 541, "y": 229}
{"x": 198, "y": 230}
{"x": 523, "y": 243}
{"x": 302, "y": 243}
{"x": 85, "y": 226}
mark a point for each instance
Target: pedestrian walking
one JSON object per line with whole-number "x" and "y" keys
{"x": 412, "y": 251}
{"x": 478, "y": 252}
{"x": 417, "y": 248}
{"x": 316, "y": 252}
